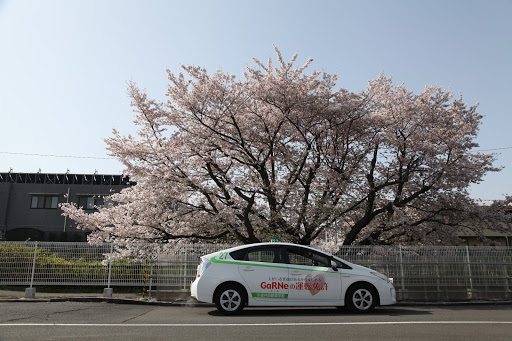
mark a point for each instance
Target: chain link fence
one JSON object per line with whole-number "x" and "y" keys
{"x": 420, "y": 273}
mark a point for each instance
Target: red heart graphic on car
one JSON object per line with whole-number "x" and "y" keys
{"x": 314, "y": 284}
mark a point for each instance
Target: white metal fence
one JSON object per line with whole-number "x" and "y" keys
{"x": 440, "y": 273}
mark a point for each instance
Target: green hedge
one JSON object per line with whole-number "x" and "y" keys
{"x": 16, "y": 265}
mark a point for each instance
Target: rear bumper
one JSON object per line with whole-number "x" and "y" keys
{"x": 202, "y": 291}
{"x": 193, "y": 289}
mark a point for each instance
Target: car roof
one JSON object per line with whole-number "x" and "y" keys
{"x": 269, "y": 244}
{"x": 284, "y": 244}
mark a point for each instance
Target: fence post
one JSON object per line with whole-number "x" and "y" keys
{"x": 507, "y": 288}
{"x": 470, "y": 291}
{"x": 107, "y": 292}
{"x": 185, "y": 272}
{"x": 31, "y": 292}
{"x": 150, "y": 279}
{"x": 145, "y": 278}
{"x": 402, "y": 276}
{"x": 438, "y": 279}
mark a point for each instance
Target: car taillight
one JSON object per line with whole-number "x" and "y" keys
{"x": 205, "y": 263}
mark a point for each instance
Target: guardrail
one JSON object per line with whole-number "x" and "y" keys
{"x": 424, "y": 273}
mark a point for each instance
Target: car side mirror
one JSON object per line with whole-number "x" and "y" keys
{"x": 334, "y": 266}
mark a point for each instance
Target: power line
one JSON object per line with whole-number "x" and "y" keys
{"x": 63, "y": 156}
{"x": 112, "y": 158}
{"x": 490, "y": 150}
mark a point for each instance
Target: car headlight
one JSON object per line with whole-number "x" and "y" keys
{"x": 381, "y": 276}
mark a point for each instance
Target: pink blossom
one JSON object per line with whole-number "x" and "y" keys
{"x": 284, "y": 153}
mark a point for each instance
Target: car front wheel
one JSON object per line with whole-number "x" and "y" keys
{"x": 230, "y": 299}
{"x": 361, "y": 298}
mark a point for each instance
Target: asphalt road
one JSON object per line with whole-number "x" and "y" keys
{"x": 107, "y": 321}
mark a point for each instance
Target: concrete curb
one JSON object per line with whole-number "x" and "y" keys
{"x": 105, "y": 300}
{"x": 465, "y": 303}
{"x": 190, "y": 303}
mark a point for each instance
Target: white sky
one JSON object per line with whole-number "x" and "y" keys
{"x": 64, "y": 64}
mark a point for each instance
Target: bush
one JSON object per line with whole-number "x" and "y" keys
{"x": 16, "y": 261}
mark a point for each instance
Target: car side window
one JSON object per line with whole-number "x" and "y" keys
{"x": 238, "y": 254}
{"x": 341, "y": 265}
{"x": 265, "y": 254}
{"x": 302, "y": 256}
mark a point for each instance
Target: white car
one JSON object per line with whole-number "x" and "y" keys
{"x": 281, "y": 274}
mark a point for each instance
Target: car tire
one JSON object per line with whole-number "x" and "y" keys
{"x": 230, "y": 299}
{"x": 361, "y": 298}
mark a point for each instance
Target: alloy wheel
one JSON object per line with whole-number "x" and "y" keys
{"x": 230, "y": 300}
{"x": 362, "y": 299}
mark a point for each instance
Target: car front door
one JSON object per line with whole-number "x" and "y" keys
{"x": 265, "y": 273}
{"x": 311, "y": 277}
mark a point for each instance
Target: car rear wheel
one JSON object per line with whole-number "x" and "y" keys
{"x": 361, "y": 298}
{"x": 230, "y": 299}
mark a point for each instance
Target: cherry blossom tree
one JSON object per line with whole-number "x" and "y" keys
{"x": 287, "y": 154}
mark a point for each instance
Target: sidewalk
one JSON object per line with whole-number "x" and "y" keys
{"x": 133, "y": 298}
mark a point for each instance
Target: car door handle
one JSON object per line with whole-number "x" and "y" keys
{"x": 248, "y": 269}
{"x": 295, "y": 273}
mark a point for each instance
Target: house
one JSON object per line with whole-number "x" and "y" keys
{"x": 471, "y": 238}
{"x": 29, "y": 203}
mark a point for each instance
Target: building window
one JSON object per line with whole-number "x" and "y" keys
{"x": 44, "y": 201}
{"x": 88, "y": 202}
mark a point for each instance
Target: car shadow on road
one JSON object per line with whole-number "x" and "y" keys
{"x": 384, "y": 311}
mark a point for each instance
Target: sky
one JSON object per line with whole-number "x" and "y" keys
{"x": 65, "y": 65}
